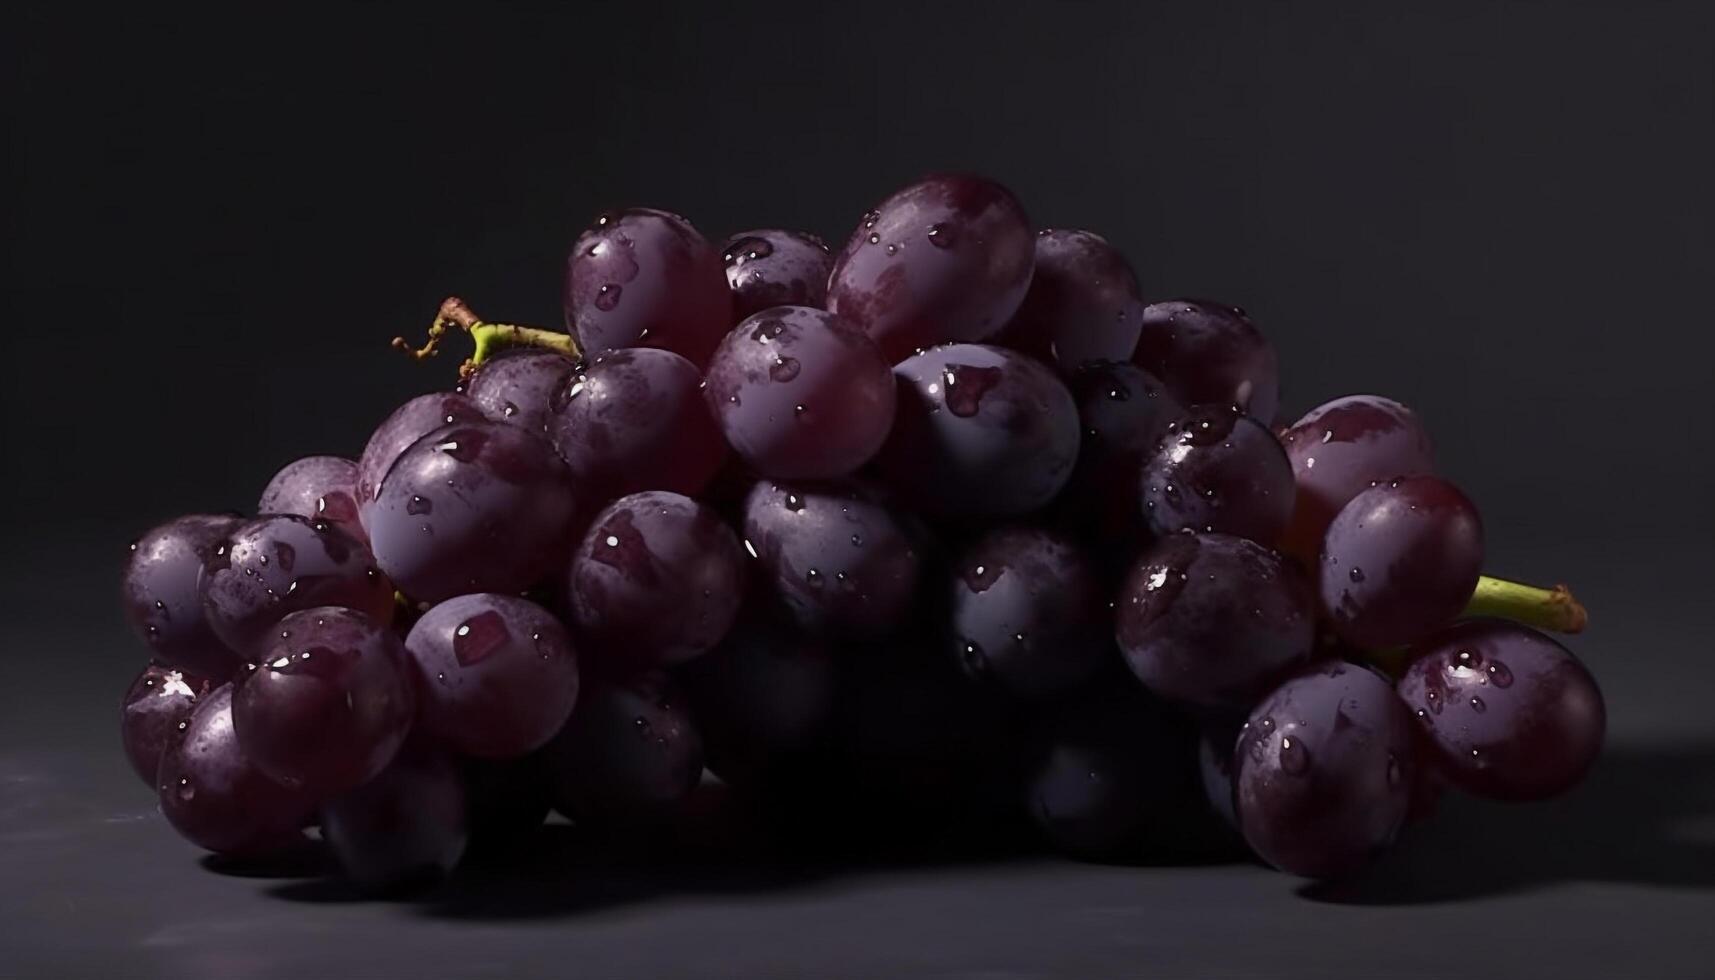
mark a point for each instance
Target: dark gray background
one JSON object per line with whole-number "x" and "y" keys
{"x": 1498, "y": 213}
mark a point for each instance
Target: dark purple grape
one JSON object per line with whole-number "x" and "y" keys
{"x": 1400, "y": 561}
{"x": 945, "y": 259}
{"x": 1111, "y": 775}
{"x": 1341, "y": 448}
{"x": 405, "y": 828}
{"x": 507, "y": 801}
{"x": 329, "y": 703}
{"x": 1325, "y": 768}
{"x": 1029, "y": 613}
{"x": 657, "y": 580}
{"x": 646, "y": 278}
{"x": 215, "y": 796}
{"x": 1210, "y": 354}
{"x": 158, "y": 591}
{"x": 1124, "y": 413}
{"x": 321, "y": 488}
{"x": 763, "y": 699}
{"x": 980, "y": 432}
{"x": 1083, "y": 304}
{"x": 628, "y": 758}
{"x": 157, "y": 707}
{"x": 1214, "y": 620}
{"x": 498, "y": 675}
{"x": 1218, "y": 470}
{"x": 519, "y": 386}
{"x": 634, "y": 420}
{"x": 276, "y": 565}
{"x": 1509, "y": 713}
{"x": 837, "y": 557}
{"x": 772, "y": 267}
{"x": 801, "y": 394}
{"x": 408, "y": 423}
{"x": 473, "y": 507}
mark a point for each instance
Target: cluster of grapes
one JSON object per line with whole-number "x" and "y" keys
{"x": 949, "y": 522}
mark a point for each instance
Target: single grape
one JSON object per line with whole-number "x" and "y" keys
{"x": 763, "y": 699}
{"x": 837, "y": 557}
{"x": 1029, "y": 613}
{"x": 403, "y": 829}
{"x": 1214, "y": 620}
{"x": 1341, "y": 448}
{"x": 635, "y": 420}
{"x": 519, "y": 386}
{"x": 646, "y": 278}
{"x": 628, "y": 758}
{"x": 1111, "y": 775}
{"x": 1325, "y": 768}
{"x": 408, "y": 423}
{"x": 801, "y": 394}
{"x": 774, "y": 267}
{"x": 278, "y": 564}
{"x": 945, "y": 259}
{"x": 1399, "y": 561}
{"x": 497, "y": 674}
{"x": 158, "y": 592}
{"x": 1509, "y": 713}
{"x": 1083, "y": 305}
{"x": 321, "y": 488}
{"x": 507, "y": 801}
{"x": 473, "y": 507}
{"x": 1210, "y": 353}
{"x": 1124, "y": 413}
{"x": 329, "y": 703}
{"x": 1218, "y": 470}
{"x": 215, "y": 796}
{"x": 981, "y": 432}
{"x": 157, "y": 707}
{"x": 657, "y": 580}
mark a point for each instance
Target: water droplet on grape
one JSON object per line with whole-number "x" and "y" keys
{"x": 784, "y": 369}
{"x": 943, "y": 235}
{"x": 1356, "y": 574}
{"x": 607, "y": 297}
{"x": 1294, "y": 756}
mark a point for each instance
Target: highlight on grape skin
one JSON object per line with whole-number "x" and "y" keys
{"x": 948, "y": 532}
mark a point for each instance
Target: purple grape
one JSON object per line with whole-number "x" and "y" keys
{"x": 321, "y": 488}
{"x": 276, "y": 565}
{"x": 763, "y": 699}
{"x": 405, "y": 828}
{"x": 801, "y": 394}
{"x": 157, "y": 707}
{"x": 945, "y": 259}
{"x": 1029, "y": 613}
{"x": 329, "y": 703}
{"x": 1124, "y": 413}
{"x": 1210, "y": 353}
{"x": 498, "y": 674}
{"x": 646, "y": 278}
{"x": 473, "y": 507}
{"x": 657, "y": 580}
{"x": 1083, "y": 304}
{"x": 981, "y": 432}
{"x": 635, "y": 420}
{"x": 628, "y": 758}
{"x": 158, "y": 592}
{"x": 836, "y": 556}
{"x": 1218, "y": 470}
{"x": 1509, "y": 713}
{"x": 1341, "y": 448}
{"x": 774, "y": 267}
{"x": 1213, "y": 620}
{"x": 1325, "y": 769}
{"x": 519, "y": 386}
{"x": 215, "y": 796}
{"x": 408, "y": 423}
{"x": 1400, "y": 561}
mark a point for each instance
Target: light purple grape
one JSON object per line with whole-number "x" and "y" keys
{"x": 1083, "y": 305}
{"x": 158, "y": 592}
{"x": 321, "y": 488}
{"x": 774, "y": 267}
{"x": 157, "y": 706}
{"x": 1341, "y": 448}
{"x": 408, "y": 423}
{"x": 1218, "y": 470}
{"x": 518, "y": 387}
{"x": 214, "y": 794}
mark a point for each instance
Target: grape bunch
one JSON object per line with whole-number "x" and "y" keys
{"x": 948, "y": 525}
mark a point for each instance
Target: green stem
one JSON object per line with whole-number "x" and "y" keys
{"x": 1550, "y": 609}
{"x": 488, "y": 339}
